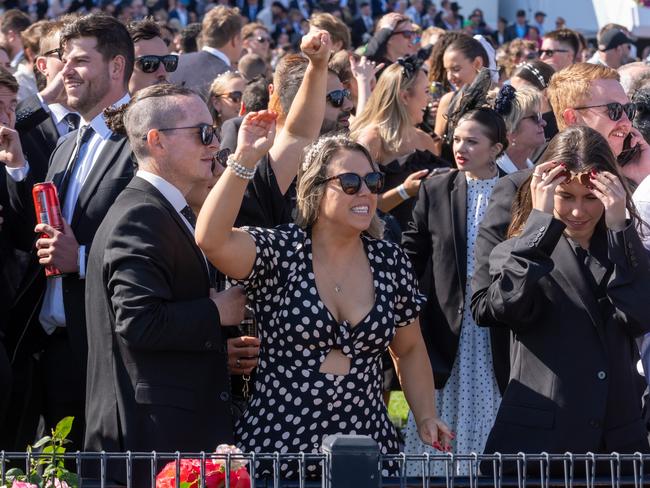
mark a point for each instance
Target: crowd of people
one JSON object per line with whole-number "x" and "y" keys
{"x": 273, "y": 214}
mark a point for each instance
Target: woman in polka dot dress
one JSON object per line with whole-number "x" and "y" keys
{"x": 330, "y": 298}
{"x": 440, "y": 243}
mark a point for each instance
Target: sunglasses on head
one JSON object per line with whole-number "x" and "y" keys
{"x": 337, "y": 97}
{"x": 207, "y": 132}
{"x": 615, "y": 110}
{"x": 551, "y": 52}
{"x": 233, "y": 96}
{"x": 351, "y": 182}
{"x": 150, "y": 63}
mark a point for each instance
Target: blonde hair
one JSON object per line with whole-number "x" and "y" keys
{"x": 526, "y": 100}
{"x": 312, "y": 172}
{"x": 218, "y": 88}
{"x": 386, "y": 110}
{"x": 570, "y": 87}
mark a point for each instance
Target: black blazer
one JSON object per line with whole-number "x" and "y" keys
{"x": 157, "y": 369}
{"x": 114, "y": 169}
{"x": 573, "y": 381}
{"x": 510, "y": 33}
{"x": 436, "y": 243}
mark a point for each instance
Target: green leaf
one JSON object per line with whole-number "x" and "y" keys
{"x": 42, "y": 442}
{"x": 63, "y": 428}
{"x": 13, "y": 472}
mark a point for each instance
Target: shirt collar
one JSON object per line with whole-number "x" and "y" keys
{"x": 215, "y": 52}
{"x": 169, "y": 191}
{"x": 505, "y": 163}
{"x": 99, "y": 122}
{"x": 58, "y": 111}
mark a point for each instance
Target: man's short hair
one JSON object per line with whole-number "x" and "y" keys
{"x": 252, "y": 66}
{"x": 339, "y": 32}
{"x": 14, "y": 20}
{"x": 50, "y": 29}
{"x": 220, "y": 25}
{"x": 151, "y": 108}
{"x": 256, "y": 95}
{"x": 286, "y": 81}
{"x": 8, "y": 81}
{"x": 567, "y": 37}
{"x": 570, "y": 87}
{"x": 32, "y": 36}
{"x": 143, "y": 30}
{"x": 113, "y": 38}
{"x": 249, "y": 29}
{"x": 189, "y": 38}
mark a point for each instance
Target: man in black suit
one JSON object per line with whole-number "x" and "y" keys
{"x": 221, "y": 49}
{"x": 89, "y": 167}
{"x": 362, "y": 26}
{"x": 157, "y": 376}
{"x": 519, "y": 29}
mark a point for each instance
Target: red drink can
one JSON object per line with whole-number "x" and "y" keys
{"x": 48, "y": 211}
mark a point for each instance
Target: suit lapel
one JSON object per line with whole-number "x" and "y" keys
{"x": 60, "y": 161}
{"x": 569, "y": 269}
{"x": 109, "y": 153}
{"x": 49, "y": 131}
{"x": 458, "y": 206}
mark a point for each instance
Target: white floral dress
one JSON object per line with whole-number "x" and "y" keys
{"x": 470, "y": 399}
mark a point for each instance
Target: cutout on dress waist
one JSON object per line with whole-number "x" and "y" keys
{"x": 335, "y": 362}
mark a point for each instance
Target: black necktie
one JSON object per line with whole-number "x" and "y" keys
{"x": 85, "y": 133}
{"x": 72, "y": 120}
{"x": 189, "y": 215}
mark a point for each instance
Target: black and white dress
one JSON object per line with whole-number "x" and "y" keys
{"x": 295, "y": 406}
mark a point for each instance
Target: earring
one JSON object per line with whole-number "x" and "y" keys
{"x": 492, "y": 165}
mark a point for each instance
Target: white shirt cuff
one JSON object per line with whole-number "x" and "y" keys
{"x": 18, "y": 174}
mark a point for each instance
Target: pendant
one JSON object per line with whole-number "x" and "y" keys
{"x": 337, "y": 288}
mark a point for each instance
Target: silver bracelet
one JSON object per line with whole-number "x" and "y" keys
{"x": 240, "y": 170}
{"x": 401, "y": 189}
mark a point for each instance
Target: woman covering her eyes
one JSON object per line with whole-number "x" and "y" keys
{"x": 330, "y": 297}
{"x": 440, "y": 244}
{"x": 387, "y": 127}
{"x": 569, "y": 284}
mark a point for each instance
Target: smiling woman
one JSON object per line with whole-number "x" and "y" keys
{"x": 568, "y": 280}
{"x": 347, "y": 295}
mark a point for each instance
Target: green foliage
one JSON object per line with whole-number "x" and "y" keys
{"x": 47, "y": 468}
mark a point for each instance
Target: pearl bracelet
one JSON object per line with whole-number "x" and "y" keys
{"x": 401, "y": 189}
{"x": 239, "y": 169}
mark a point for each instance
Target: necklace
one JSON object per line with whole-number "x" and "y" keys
{"x": 337, "y": 286}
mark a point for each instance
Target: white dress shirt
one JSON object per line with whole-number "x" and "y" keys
{"x": 641, "y": 198}
{"x": 172, "y": 194}
{"x": 52, "y": 312}
{"x": 215, "y": 52}
{"x": 505, "y": 163}
{"x": 59, "y": 113}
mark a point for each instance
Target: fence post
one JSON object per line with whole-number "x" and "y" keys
{"x": 353, "y": 461}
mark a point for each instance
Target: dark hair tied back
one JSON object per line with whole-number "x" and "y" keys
{"x": 503, "y": 103}
{"x": 115, "y": 119}
{"x": 410, "y": 65}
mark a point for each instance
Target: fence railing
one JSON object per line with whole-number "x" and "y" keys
{"x": 355, "y": 462}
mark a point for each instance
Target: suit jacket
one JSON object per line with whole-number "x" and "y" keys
{"x": 436, "y": 243}
{"x": 510, "y": 33}
{"x": 113, "y": 170}
{"x": 573, "y": 385}
{"x": 157, "y": 375}
{"x": 197, "y": 71}
{"x": 358, "y": 30}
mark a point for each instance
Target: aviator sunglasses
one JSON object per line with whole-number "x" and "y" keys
{"x": 150, "y": 62}
{"x": 351, "y": 182}
{"x": 207, "y": 132}
{"x": 615, "y": 110}
{"x": 337, "y": 97}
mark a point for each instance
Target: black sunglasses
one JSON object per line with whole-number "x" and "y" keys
{"x": 337, "y": 97}
{"x": 221, "y": 158}
{"x": 207, "y": 132}
{"x": 233, "y": 96}
{"x": 151, "y": 62}
{"x": 551, "y": 52}
{"x": 407, "y": 34}
{"x": 351, "y": 182}
{"x": 615, "y": 110}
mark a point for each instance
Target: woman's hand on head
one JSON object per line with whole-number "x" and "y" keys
{"x": 434, "y": 432}
{"x": 545, "y": 179}
{"x": 317, "y": 46}
{"x": 610, "y": 191}
{"x": 256, "y": 136}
